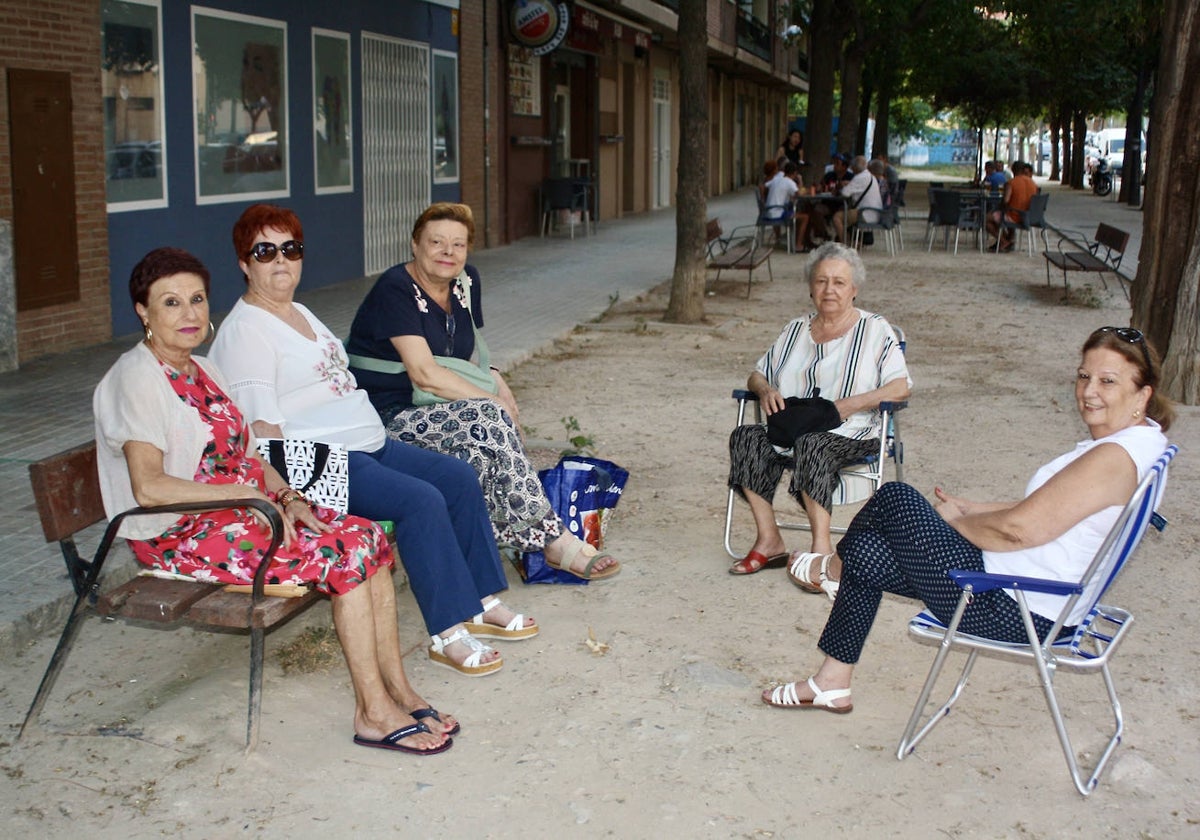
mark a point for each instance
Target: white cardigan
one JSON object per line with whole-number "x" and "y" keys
{"x": 135, "y": 401}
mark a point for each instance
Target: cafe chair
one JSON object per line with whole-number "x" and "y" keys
{"x": 884, "y": 221}
{"x": 898, "y": 200}
{"x": 786, "y": 220}
{"x": 1085, "y": 649}
{"x": 564, "y": 195}
{"x": 858, "y": 481}
{"x": 1034, "y": 217}
{"x": 951, "y": 212}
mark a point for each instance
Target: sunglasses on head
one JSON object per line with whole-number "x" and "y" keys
{"x": 1131, "y": 335}
{"x": 264, "y": 252}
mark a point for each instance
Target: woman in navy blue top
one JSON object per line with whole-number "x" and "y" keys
{"x": 431, "y": 307}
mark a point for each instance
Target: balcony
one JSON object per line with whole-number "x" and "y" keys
{"x": 753, "y": 36}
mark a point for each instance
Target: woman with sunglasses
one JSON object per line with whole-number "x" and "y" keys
{"x": 900, "y": 543}
{"x": 431, "y": 307}
{"x": 289, "y": 375}
{"x": 166, "y": 433}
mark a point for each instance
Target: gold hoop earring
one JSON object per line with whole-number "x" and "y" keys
{"x": 211, "y": 332}
{"x": 146, "y": 329}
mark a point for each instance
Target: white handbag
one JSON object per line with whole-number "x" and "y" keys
{"x": 320, "y": 471}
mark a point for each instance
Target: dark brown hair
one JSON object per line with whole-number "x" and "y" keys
{"x": 1159, "y": 408}
{"x": 445, "y": 211}
{"x": 160, "y": 263}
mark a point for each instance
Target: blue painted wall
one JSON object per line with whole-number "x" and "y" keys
{"x": 333, "y": 230}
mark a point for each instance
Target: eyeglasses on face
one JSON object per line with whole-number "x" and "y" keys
{"x": 1131, "y": 335}
{"x": 264, "y": 252}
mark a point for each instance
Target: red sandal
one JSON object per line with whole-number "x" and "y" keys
{"x": 754, "y": 561}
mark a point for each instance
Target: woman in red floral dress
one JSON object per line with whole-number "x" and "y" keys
{"x": 167, "y": 433}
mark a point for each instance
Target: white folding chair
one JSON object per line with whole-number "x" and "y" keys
{"x": 1087, "y": 650}
{"x": 858, "y": 481}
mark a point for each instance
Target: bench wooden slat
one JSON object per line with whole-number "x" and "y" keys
{"x": 153, "y": 599}
{"x": 66, "y": 488}
{"x": 230, "y": 609}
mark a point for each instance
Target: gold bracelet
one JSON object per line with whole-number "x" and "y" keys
{"x": 288, "y": 495}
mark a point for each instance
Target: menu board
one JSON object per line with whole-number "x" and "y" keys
{"x": 524, "y": 82}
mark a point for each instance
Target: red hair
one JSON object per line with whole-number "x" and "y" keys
{"x": 258, "y": 217}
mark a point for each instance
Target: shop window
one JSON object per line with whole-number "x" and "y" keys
{"x": 333, "y": 139}
{"x": 132, "y": 89}
{"x": 239, "y": 93}
{"x": 445, "y": 117}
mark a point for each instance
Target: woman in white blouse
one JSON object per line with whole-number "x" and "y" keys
{"x": 853, "y": 358}
{"x": 289, "y": 375}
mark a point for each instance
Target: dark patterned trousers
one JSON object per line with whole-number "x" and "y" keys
{"x": 898, "y": 543}
{"x": 481, "y": 433}
{"x": 754, "y": 464}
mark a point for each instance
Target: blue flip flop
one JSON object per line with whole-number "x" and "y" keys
{"x": 392, "y": 741}
{"x": 430, "y": 712}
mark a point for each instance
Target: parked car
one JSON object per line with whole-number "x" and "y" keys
{"x": 1112, "y": 147}
{"x": 134, "y": 160}
{"x": 258, "y": 152}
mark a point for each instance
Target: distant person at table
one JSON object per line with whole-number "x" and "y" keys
{"x": 993, "y": 179}
{"x": 891, "y": 175}
{"x": 1018, "y": 193}
{"x": 770, "y": 171}
{"x": 862, "y": 196}
{"x": 817, "y": 225}
{"x": 792, "y": 148}
{"x": 781, "y": 191}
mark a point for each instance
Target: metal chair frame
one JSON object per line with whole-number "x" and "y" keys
{"x": 1034, "y": 217}
{"x": 1088, "y": 650}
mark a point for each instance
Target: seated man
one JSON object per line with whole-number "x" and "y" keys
{"x": 1017, "y": 194}
{"x": 816, "y": 224}
{"x": 781, "y": 192}
{"x": 863, "y": 195}
{"x": 993, "y": 178}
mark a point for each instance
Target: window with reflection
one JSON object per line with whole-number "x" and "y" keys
{"x": 239, "y": 93}
{"x": 445, "y": 117}
{"x": 132, "y": 90}
{"x": 333, "y": 145}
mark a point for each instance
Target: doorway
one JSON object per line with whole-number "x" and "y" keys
{"x": 661, "y": 152}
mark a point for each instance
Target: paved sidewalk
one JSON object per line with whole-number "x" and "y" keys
{"x": 536, "y": 290}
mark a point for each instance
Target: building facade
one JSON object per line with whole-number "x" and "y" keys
{"x": 152, "y": 122}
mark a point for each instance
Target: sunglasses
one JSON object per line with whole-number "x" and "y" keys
{"x": 264, "y": 252}
{"x": 1131, "y": 335}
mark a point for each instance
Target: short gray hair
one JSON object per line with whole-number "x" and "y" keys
{"x": 876, "y": 167}
{"x": 859, "y": 163}
{"x": 837, "y": 251}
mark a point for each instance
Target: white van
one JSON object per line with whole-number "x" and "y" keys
{"x": 1112, "y": 146}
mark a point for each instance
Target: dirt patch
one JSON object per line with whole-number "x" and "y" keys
{"x": 663, "y": 734}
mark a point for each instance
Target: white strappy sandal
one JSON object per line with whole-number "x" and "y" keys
{"x": 514, "y": 631}
{"x": 800, "y": 571}
{"x": 785, "y": 697}
{"x": 471, "y": 666}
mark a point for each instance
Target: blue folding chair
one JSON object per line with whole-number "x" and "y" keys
{"x": 1088, "y": 650}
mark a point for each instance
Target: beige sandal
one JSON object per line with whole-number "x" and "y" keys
{"x": 800, "y": 571}
{"x": 582, "y": 548}
{"x": 514, "y": 631}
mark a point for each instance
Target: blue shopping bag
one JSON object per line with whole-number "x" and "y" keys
{"x": 584, "y": 492}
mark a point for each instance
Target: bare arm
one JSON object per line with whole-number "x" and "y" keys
{"x": 152, "y": 486}
{"x": 1103, "y": 477}
{"x": 428, "y": 375}
{"x": 263, "y": 429}
{"x": 893, "y": 391}
{"x": 769, "y": 396}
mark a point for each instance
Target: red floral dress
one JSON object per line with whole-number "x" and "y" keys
{"x": 226, "y": 546}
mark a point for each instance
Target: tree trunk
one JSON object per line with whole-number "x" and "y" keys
{"x": 1131, "y": 164}
{"x": 824, "y": 48}
{"x": 1055, "y": 170}
{"x": 864, "y": 121}
{"x": 1068, "y": 154}
{"x": 1079, "y": 126}
{"x": 852, "y": 66}
{"x": 883, "y": 107}
{"x": 1166, "y": 293}
{"x": 686, "y": 305}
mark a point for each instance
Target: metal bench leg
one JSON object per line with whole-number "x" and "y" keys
{"x": 256, "y": 678}
{"x": 65, "y": 641}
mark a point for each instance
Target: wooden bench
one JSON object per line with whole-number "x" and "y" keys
{"x": 1101, "y": 254}
{"x": 736, "y": 251}
{"x": 66, "y": 488}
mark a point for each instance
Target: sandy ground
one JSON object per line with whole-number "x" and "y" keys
{"x": 664, "y": 736}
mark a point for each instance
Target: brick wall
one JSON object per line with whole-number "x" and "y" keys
{"x": 63, "y": 36}
{"x": 473, "y": 28}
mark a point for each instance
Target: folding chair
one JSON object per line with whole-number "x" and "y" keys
{"x": 858, "y": 481}
{"x": 1088, "y": 650}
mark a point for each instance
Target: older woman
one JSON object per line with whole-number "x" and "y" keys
{"x": 901, "y": 543}
{"x": 167, "y": 433}
{"x": 853, "y": 357}
{"x": 289, "y": 375}
{"x": 429, "y": 309}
